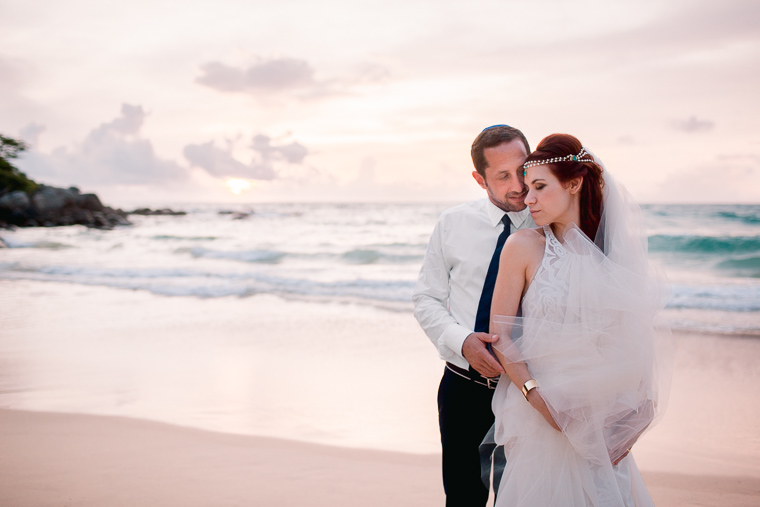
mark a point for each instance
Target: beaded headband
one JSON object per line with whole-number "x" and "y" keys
{"x": 566, "y": 158}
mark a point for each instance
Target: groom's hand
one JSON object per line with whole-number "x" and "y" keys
{"x": 475, "y": 350}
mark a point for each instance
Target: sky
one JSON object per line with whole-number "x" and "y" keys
{"x": 161, "y": 102}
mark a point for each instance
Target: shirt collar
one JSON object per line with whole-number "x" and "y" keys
{"x": 495, "y": 214}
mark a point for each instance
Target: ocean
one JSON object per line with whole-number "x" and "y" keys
{"x": 295, "y": 321}
{"x": 368, "y": 254}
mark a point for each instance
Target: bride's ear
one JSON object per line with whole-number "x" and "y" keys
{"x": 575, "y": 185}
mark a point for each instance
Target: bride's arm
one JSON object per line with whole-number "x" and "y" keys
{"x": 519, "y": 260}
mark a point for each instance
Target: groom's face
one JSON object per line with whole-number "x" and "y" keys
{"x": 504, "y": 180}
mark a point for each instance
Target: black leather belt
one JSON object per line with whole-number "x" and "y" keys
{"x": 474, "y": 376}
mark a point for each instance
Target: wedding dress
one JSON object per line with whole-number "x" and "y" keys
{"x": 587, "y": 333}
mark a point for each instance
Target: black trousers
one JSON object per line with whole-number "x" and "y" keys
{"x": 464, "y": 416}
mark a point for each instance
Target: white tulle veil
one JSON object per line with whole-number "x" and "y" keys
{"x": 591, "y": 339}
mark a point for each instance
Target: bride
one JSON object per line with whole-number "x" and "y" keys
{"x": 574, "y": 307}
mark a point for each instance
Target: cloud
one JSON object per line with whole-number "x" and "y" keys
{"x": 221, "y": 163}
{"x": 111, "y": 154}
{"x": 129, "y": 123}
{"x": 268, "y": 75}
{"x": 31, "y": 133}
{"x": 693, "y": 125}
{"x": 286, "y": 76}
{"x": 293, "y": 153}
{"x": 650, "y": 48}
{"x": 686, "y": 34}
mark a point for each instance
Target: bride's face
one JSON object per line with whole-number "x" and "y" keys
{"x": 548, "y": 199}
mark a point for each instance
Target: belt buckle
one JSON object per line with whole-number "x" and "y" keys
{"x": 491, "y": 383}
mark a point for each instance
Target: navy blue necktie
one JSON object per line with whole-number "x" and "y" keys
{"x": 483, "y": 317}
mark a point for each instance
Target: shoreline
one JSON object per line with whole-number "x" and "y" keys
{"x": 87, "y": 460}
{"x": 118, "y": 397}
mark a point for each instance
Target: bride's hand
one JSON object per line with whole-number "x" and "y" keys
{"x": 618, "y": 460}
{"x": 537, "y": 401}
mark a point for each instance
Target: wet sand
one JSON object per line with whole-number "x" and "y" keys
{"x": 112, "y": 397}
{"x": 78, "y": 460}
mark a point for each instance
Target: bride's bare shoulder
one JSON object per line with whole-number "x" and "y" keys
{"x": 528, "y": 237}
{"x": 526, "y": 241}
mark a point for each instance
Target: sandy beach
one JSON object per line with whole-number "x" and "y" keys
{"x": 114, "y": 397}
{"x": 55, "y": 459}
{"x": 58, "y": 459}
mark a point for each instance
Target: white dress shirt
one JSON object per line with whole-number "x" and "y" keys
{"x": 451, "y": 280}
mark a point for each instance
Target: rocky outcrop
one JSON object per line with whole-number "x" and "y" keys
{"x": 52, "y": 206}
{"x": 149, "y": 212}
{"x": 237, "y": 215}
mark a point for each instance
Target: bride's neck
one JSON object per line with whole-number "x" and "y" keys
{"x": 559, "y": 226}
{"x": 558, "y": 229}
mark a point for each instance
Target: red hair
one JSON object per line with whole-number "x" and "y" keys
{"x": 560, "y": 145}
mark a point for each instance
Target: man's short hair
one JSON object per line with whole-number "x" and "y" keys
{"x": 491, "y": 137}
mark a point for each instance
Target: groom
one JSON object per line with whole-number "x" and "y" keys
{"x": 452, "y": 303}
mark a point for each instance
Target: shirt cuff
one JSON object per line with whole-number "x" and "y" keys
{"x": 453, "y": 338}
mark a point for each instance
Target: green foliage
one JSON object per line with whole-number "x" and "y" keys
{"x": 11, "y": 178}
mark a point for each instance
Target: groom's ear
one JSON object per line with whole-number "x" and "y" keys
{"x": 479, "y": 178}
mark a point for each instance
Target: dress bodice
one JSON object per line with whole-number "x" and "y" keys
{"x": 547, "y": 293}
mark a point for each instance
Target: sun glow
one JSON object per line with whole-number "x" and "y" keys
{"x": 238, "y": 185}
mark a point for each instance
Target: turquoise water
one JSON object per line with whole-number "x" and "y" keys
{"x": 369, "y": 254}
